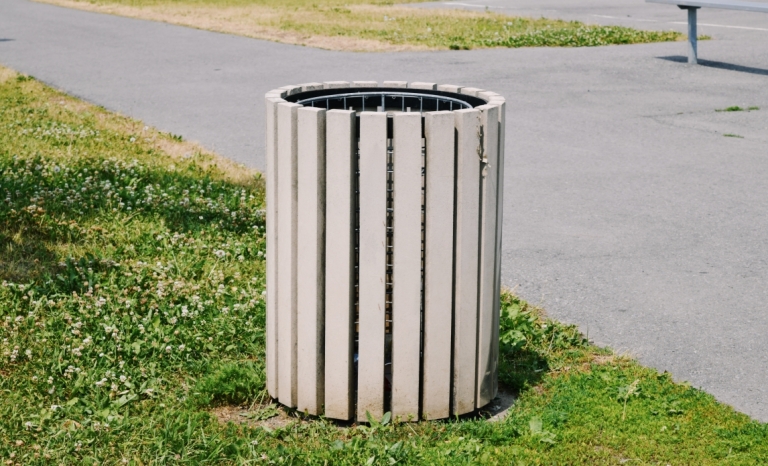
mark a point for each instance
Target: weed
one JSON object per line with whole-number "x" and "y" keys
{"x": 231, "y": 383}
{"x": 731, "y": 135}
{"x": 734, "y": 108}
{"x": 625, "y": 393}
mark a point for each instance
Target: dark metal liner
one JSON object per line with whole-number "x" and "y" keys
{"x": 385, "y": 99}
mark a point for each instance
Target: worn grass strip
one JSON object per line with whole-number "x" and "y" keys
{"x": 132, "y": 328}
{"x": 368, "y": 25}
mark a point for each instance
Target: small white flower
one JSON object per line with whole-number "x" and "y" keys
{"x": 181, "y": 347}
{"x": 55, "y": 407}
{"x": 168, "y": 349}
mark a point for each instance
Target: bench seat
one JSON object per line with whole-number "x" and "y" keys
{"x": 721, "y": 4}
{"x": 693, "y": 5}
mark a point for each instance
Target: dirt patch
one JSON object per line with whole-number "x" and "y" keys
{"x": 601, "y": 359}
{"x": 275, "y": 416}
{"x": 499, "y": 407}
{"x": 252, "y": 416}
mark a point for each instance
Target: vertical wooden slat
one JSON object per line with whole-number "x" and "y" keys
{"x": 286, "y": 252}
{"x": 271, "y": 156}
{"x": 473, "y": 91}
{"x": 341, "y": 144}
{"x": 311, "y": 87}
{"x": 310, "y": 270}
{"x": 395, "y": 84}
{"x": 495, "y": 99}
{"x": 335, "y": 84}
{"x": 406, "y": 290}
{"x": 372, "y": 267}
{"x": 422, "y": 85}
{"x": 468, "y": 154}
{"x": 438, "y": 264}
{"x": 291, "y": 89}
{"x": 488, "y": 296}
{"x": 365, "y": 84}
{"x": 449, "y": 88}
{"x": 499, "y": 223}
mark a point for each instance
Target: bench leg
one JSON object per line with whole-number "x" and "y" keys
{"x": 692, "y": 36}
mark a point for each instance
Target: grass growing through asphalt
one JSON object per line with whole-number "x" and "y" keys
{"x": 132, "y": 273}
{"x": 371, "y": 24}
{"x": 736, "y": 108}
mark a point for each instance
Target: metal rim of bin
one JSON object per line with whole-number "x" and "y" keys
{"x": 425, "y": 334}
{"x": 348, "y": 99}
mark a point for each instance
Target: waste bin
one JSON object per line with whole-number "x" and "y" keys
{"x": 384, "y": 211}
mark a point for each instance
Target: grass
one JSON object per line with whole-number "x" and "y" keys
{"x": 371, "y": 25}
{"x": 131, "y": 314}
{"x": 736, "y": 108}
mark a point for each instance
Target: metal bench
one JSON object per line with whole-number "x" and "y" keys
{"x": 693, "y": 5}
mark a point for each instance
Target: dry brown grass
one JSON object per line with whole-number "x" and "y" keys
{"x": 256, "y": 21}
{"x": 57, "y": 102}
{"x": 241, "y": 415}
{"x": 368, "y": 25}
{"x": 6, "y": 74}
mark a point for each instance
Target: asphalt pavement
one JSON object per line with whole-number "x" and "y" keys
{"x": 629, "y": 209}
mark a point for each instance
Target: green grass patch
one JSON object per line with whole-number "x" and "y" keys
{"x": 373, "y": 25}
{"x": 459, "y": 30}
{"x": 736, "y": 108}
{"x": 131, "y": 305}
{"x": 731, "y": 135}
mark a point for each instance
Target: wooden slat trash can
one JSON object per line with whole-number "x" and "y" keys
{"x": 384, "y": 207}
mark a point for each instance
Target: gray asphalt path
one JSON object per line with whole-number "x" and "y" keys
{"x": 628, "y": 210}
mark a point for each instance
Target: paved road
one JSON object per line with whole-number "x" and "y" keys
{"x": 628, "y": 211}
